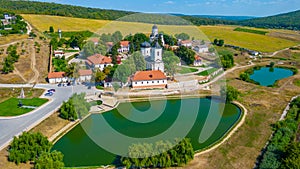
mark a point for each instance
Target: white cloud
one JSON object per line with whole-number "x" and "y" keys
{"x": 169, "y": 2}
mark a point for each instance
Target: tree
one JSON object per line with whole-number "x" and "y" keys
{"x": 227, "y": 61}
{"x": 90, "y": 49}
{"x": 170, "y": 40}
{"x": 106, "y": 38}
{"x": 114, "y": 52}
{"x": 230, "y": 93}
{"x": 292, "y": 157}
{"x": 219, "y": 42}
{"x": 99, "y": 76}
{"x": 51, "y": 29}
{"x": 67, "y": 111}
{"x": 159, "y": 155}
{"x": 186, "y": 54}
{"x": 139, "y": 61}
{"x": 54, "y": 43}
{"x": 8, "y": 65}
{"x": 245, "y": 77}
{"x": 182, "y": 36}
{"x": 116, "y": 37}
{"x": 53, "y": 160}
{"x": 27, "y": 147}
{"x": 123, "y": 72}
{"x": 170, "y": 62}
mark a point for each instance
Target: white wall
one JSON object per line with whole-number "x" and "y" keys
{"x": 58, "y": 80}
{"x": 149, "y": 83}
{"x": 85, "y": 78}
{"x": 102, "y": 66}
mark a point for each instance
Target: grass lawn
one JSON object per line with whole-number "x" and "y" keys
{"x": 207, "y": 72}
{"x": 297, "y": 82}
{"x": 10, "y": 106}
{"x": 185, "y": 70}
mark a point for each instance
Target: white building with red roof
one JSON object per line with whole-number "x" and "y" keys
{"x": 59, "y": 53}
{"x": 149, "y": 79}
{"x": 186, "y": 43}
{"x": 57, "y": 77}
{"x": 85, "y": 75}
{"x": 99, "y": 61}
{"x": 124, "y": 46}
{"x": 198, "y": 61}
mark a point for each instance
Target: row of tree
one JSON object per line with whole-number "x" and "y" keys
{"x": 76, "y": 107}
{"x": 283, "y": 151}
{"x": 160, "y": 155}
{"x": 12, "y": 57}
{"x": 34, "y": 147}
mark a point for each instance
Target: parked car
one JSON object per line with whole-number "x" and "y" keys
{"x": 51, "y": 91}
{"x": 49, "y": 94}
{"x": 59, "y": 85}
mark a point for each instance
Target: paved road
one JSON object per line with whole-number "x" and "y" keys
{"x": 10, "y": 127}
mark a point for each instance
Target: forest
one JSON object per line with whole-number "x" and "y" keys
{"x": 283, "y": 21}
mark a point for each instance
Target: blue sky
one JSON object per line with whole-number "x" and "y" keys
{"x": 201, "y": 7}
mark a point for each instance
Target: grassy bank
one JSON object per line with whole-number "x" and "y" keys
{"x": 10, "y": 107}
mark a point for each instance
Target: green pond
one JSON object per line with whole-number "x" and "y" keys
{"x": 267, "y": 76}
{"x": 81, "y": 147}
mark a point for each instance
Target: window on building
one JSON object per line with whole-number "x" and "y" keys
{"x": 152, "y": 81}
{"x": 147, "y": 82}
{"x": 135, "y": 82}
{"x": 163, "y": 81}
{"x": 157, "y": 53}
{"x": 142, "y": 82}
{"x": 158, "y": 81}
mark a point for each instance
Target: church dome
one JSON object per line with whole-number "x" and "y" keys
{"x": 145, "y": 45}
{"x": 154, "y": 27}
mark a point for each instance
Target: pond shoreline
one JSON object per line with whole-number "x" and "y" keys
{"x": 225, "y": 137}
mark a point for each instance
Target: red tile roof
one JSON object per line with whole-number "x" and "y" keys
{"x": 53, "y": 75}
{"x": 124, "y": 43}
{"x": 148, "y": 75}
{"x": 109, "y": 43}
{"x": 98, "y": 59}
{"x": 95, "y": 40}
{"x": 185, "y": 42}
{"x": 197, "y": 57}
{"x": 85, "y": 72}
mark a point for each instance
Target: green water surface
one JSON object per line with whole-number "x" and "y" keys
{"x": 267, "y": 76}
{"x": 80, "y": 150}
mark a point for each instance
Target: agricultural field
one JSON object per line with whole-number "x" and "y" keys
{"x": 43, "y": 22}
{"x": 263, "y": 43}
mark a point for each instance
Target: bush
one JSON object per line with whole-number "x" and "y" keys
{"x": 28, "y": 147}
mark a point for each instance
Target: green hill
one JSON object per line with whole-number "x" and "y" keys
{"x": 289, "y": 20}
{"x": 44, "y": 8}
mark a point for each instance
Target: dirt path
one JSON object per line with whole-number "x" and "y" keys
{"x": 16, "y": 71}
{"x": 35, "y": 78}
{"x": 275, "y": 53}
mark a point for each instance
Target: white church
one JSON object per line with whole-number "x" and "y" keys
{"x": 153, "y": 54}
